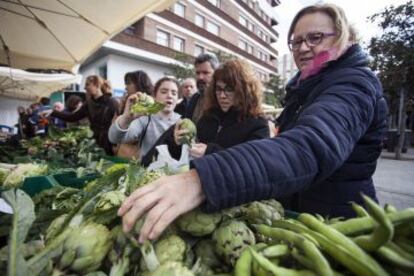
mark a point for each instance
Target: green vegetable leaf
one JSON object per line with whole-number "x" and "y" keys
{"x": 23, "y": 217}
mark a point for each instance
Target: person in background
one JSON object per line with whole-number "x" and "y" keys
{"x": 146, "y": 130}
{"x": 204, "y": 64}
{"x": 188, "y": 89}
{"x": 100, "y": 108}
{"x": 60, "y": 107}
{"x": 40, "y": 122}
{"x": 136, "y": 81}
{"x": 331, "y": 132}
{"x": 73, "y": 104}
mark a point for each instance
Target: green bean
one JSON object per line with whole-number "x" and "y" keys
{"x": 342, "y": 241}
{"x": 276, "y": 270}
{"x": 321, "y": 266}
{"x": 390, "y": 208}
{"x": 244, "y": 263}
{"x": 395, "y": 259}
{"x": 303, "y": 260}
{"x": 382, "y": 234}
{"x": 363, "y": 225}
{"x": 275, "y": 251}
{"x": 359, "y": 210}
{"x": 341, "y": 255}
{"x": 401, "y": 251}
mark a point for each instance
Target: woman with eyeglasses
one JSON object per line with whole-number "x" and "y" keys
{"x": 325, "y": 155}
{"x": 232, "y": 114}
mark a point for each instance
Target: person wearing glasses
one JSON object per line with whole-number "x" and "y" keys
{"x": 324, "y": 156}
{"x": 232, "y": 114}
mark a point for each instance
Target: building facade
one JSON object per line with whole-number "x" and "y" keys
{"x": 243, "y": 28}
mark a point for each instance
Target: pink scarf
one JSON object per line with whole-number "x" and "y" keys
{"x": 320, "y": 61}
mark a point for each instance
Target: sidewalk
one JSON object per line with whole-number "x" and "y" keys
{"x": 394, "y": 179}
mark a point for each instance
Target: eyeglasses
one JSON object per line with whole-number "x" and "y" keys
{"x": 228, "y": 92}
{"x": 311, "y": 40}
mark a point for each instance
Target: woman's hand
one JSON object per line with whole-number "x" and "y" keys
{"x": 179, "y": 133}
{"x": 127, "y": 117}
{"x": 162, "y": 201}
{"x": 198, "y": 150}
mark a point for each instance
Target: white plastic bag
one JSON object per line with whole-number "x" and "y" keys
{"x": 165, "y": 160}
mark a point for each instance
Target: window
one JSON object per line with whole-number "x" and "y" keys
{"x": 199, "y": 20}
{"x": 179, "y": 9}
{"x": 243, "y": 44}
{"x": 262, "y": 56}
{"x": 243, "y": 20}
{"x": 198, "y": 50}
{"x": 213, "y": 28}
{"x": 215, "y": 2}
{"x": 103, "y": 71}
{"x": 250, "y": 26}
{"x": 178, "y": 44}
{"x": 163, "y": 38}
{"x": 250, "y": 49}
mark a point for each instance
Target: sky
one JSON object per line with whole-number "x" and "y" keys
{"x": 356, "y": 11}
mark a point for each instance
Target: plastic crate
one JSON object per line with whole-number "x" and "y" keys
{"x": 69, "y": 179}
{"x": 36, "y": 184}
{"x": 116, "y": 159}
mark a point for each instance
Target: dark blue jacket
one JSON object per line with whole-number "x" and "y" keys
{"x": 325, "y": 156}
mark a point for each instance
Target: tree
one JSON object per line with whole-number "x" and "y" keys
{"x": 183, "y": 68}
{"x": 393, "y": 59}
{"x": 277, "y": 92}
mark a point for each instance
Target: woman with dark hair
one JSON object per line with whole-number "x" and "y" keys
{"x": 146, "y": 130}
{"x": 100, "y": 108}
{"x": 137, "y": 81}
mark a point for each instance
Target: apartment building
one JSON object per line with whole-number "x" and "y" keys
{"x": 243, "y": 28}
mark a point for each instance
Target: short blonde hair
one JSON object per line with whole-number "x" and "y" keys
{"x": 346, "y": 33}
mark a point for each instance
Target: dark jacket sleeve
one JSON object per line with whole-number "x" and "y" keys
{"x": 72, "y": 117}
{"x": 324, "y": 136}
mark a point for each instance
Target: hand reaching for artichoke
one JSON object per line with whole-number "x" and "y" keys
{"x": 162, "y": 202}
{"x": 198, "y": 150}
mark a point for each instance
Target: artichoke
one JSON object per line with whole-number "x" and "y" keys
{"x": 263, "y": 212}
{"x": 171, "y": 269}
{"x": 3, "y": 175}
{"x": 17, "y": 175}
{"x": 231, "y": 238}
{"x": 205, "y": 251}
{"x": 198, "y": 223}
{"x": 147, "y": 177}
{"x": 146, "y": 105}
{"x": 109, "y": 200}
{"x": 187, "y": 124}
{"x": 67, "y": 199}
{"x": 172, "y": 248}
{"x": 85, "y": 248}
{"x": 169, "y": 249}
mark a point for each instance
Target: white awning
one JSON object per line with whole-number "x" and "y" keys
{"x": 20, "y": 84}
{"x": 51, "y": 34}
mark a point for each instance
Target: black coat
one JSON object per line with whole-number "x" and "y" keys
{"x": 331, "y": 134}
{"x": 220, "y": 130}
{"x": 100, "y": 113}
{"x": 217, "y": 129}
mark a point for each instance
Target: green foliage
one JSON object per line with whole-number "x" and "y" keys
{"x": 393, "y": 50}
{"x": 183, "y": 68}
{"x": 274, "y": 85}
